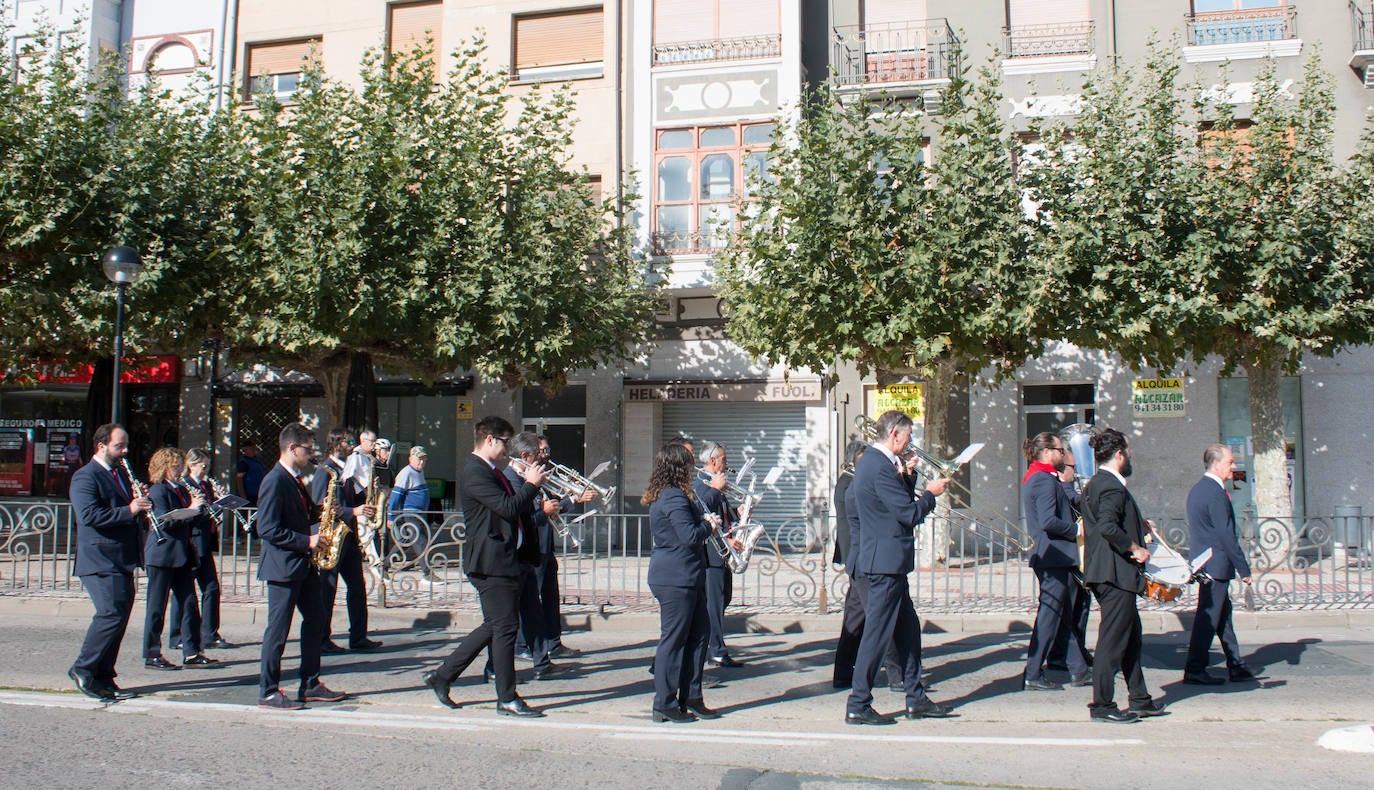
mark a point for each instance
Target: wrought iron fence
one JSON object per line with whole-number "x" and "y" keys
{"x": 1363, "y": 24}
{"x": 895, "y": 52}
{"x": 1065, "y": 38}
{"x": 1322, "y": 562}
{"x": 1242, "y": 27}
{"x": 718, "y": 49}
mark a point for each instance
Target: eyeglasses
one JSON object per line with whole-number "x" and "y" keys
{"x": 501, "y": 439}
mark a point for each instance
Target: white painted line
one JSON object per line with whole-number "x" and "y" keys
{"x": 706, "y": 738}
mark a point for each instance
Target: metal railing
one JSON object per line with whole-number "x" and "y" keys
{"x": 688, "y": 242}
{"x": 1362, "y": 20}
{"x": 1064, "y": 38}
{"x": 718, "y": 49}
{"x": 1322, "y": 562}
{"x": 1243, "y": 27}
{"x": 894, "y": 52}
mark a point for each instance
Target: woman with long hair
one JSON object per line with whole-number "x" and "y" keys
{"x": 677, "y": 577}
{"x": 170, "y": 561}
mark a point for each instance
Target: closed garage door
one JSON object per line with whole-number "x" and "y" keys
{"x": 771, "y": 433}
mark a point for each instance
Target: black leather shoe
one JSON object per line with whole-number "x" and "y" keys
{"x": 1201, "y": 679}
{"x": 698, "y": 708}
{"x": 517, "y": 707}
{"x": 1241, "y": 675}
{"x": 928, "y": 710}
{"x": 1115, "y": 716}
{"x": 159, "y": 663}
{"x": 177, "y": 646}
{"x": 117, "y": 692}
{"x": 1040, "y": 684}
{"x": 840, "y": 683}
{"x": 90, "y": 688}
{"x": 726, "y": 661}
{"x": 868, "y": 716}
{"x": 488, "y": 676}
{"x": 525, "y": 655}
{"x": 1155, "y": 708}
{"x": 563, "y": 651}
{"x": 200, "y": 661}
{"x": 1058, "y": 666}
{"x": 440, "y": 688}
{"x": 331, "y": 647}
{"x": 1081, "y": 680}
{"x": 550, "y": 672}
{"x": 365, "y": 646}
{"x": 674, "y": 715}
{"x": 220, "y": 644}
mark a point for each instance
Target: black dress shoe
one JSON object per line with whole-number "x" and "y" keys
{"x": 550, "y": 672}
{"x": 1115, "y": 716}
{"x": 440, "y": 688}
{"x": 220, "y": 644}
{"x": 563, "y": 651}
{"x": 525, "y": 655}
{"x": 331, "y": 647}
{"x": 1081, "y": 680}
{"x": 1040, "y": 684}
{"x": 517, "y": 707}
{"x": 488, "y": 676}
{"x": 200, "y": 661}
{"x": 928, "y": 710}
{"x": 1155, "y": 708}
{"x": 90, "y": 688}
{"x": 321, "y": 693}
{"x": 698, "y": 708}
{"x": 1201, "y": 679}
{"x": 674, "y": 715}
{"x": 365, "y": 646}
{"x": 117, "y": 692}
{"x": 726, "y": 661}
{"x": 868, "y": 716}
{"x": 1241, "y": 675}
{"x": 159, "y": 663}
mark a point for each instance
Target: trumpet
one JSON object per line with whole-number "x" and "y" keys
{"x": 560, "y": 483}
{"x": 736, "y": 496}
{"x": 140, "y": 491}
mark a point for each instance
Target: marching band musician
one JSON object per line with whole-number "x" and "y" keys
{"x": 108, "y": 519}
{"x": 677, "y": 578}
{"x": 352, "y": 503}
{"x": 887, "y": 511}
{"x": 284, "y": 523}
{"x": 1114, "y": 557}
{"x": 1077, "y": 630}
{"x": 205, "y": 540}
{"x": 170, "y": 560}
{"x": 719, "y": 579}
{"x": 546, "y": 573}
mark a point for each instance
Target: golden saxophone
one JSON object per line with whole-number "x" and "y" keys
{"x": 326, "y": 555}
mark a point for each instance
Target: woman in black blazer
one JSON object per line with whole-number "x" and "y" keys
{"x": 677, "y": 577}
{"x": 171, "y": 563}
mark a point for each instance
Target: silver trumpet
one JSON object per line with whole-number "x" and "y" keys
{"x": 562, "y": 483}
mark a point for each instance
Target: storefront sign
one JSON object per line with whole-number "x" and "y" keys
{"x": 16, "y": 462}
{"x": 463, "y": 409}
{"x": 164, "y": 369}
{"x": 775, "y": 391}
{"x": 1157, "y": 398}
{"x": 908, "y": 399}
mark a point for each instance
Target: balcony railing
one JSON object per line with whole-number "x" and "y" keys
{"x": 688, "y": 243}
{"x": 894, "y": 52}
{"x": 1363, "y": 22}
{"x": 1243, "y": 27}
{"x": 718, "y": 49}
{"x": 1064, "y": 38}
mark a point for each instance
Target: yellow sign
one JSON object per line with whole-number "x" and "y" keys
{"x": 464, "y": 409}
{"x": 1157, "y": 398}
{"x": 906, "y": 398}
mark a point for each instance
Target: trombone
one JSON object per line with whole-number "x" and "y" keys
{"x": 930, "y": 466}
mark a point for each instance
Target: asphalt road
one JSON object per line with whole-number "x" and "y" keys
{"x": 782, "y": 726}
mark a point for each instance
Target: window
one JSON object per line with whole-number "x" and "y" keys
{"x": 276, "y": 67}
{"x": 560, "y": 45}
{"x": 699, "y": 174}
{"x": 1053, "y": 407}
{"x": 1048, "y": 27}
{"x": 696, "y": 31}
{"x": 412, "y": 24}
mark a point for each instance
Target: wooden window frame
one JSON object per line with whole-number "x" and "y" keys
{"x": 697, "y": 240}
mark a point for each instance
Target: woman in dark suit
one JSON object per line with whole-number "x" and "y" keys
{"x": 170, "y": 560}
{"x": 677, "y": 577}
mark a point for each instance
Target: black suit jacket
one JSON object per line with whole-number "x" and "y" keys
{"x": 679, "y": 557}
{"x": 538, "y": 545}
{"x": 284, "y": 524}
{"x": 888, "y": 512}
{"x": 842, "y": 531}
{"x": 491, "y": 517}
{"x": 204, "y": 528}
{"x": 107, "y": 533}
{"x": 1050, "y": 522}
{"x": 176, "y": 550}
{"x": 1111, "y": 523}
{"x": 1212, "y": 524}
{"x": 713, "y": 501}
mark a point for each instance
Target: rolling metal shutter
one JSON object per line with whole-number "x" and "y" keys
{"x": 772, "y": 433}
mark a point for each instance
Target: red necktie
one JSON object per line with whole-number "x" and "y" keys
{"x": 119, "y": 481}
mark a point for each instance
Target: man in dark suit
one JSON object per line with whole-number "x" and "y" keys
{"x": 1114, "y": 558}
{"x": 340, "y": 444}
{"x": 1047, "y": 502}
{"x": 887, "y": 511}
{"x": 533, "y": 629}
{"x": 285, "y": 525}
{"x": 1212, "y": 525}
{"x": 550, "y": 598}
{"x": 108, "y": 522}
{"x": 498, "y": 537}
{"x": 719, "y": 579}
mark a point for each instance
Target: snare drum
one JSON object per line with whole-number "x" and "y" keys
{"x": 1166, "y": 573}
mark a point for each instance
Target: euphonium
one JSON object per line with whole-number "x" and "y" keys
{"x": 752, "y": 534}
{"x": 326, "y": 555}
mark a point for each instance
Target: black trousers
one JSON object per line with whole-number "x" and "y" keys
{"x": 1118, "y": 649}
{"x": 1060, "y": 596}
{"x": 207, "y": 578}
{"x": 1075, "y": 628}
{"x": 551, "y": 600}
{"x": 1212, "y": 620}
{"x": 500, "y": 599}
{"x": 181, "y": 583}
{"x": 283, "y": 598}
{"x": 530, "y": 638}
{"x": 889, "y": 618}
{"x": 350, "y": 567}
{"x": 113, "y": 597}
{"x": 720, "y": 589}
{"x": 852, "y": 630}
{"x": 680, "y": 659}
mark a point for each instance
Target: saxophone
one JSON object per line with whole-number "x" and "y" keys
{"x": 326, "y": 555}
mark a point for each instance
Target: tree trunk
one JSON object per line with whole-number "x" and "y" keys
{"x": 932, "y": 548}
{"x": 1272, "y": 496}
{"x": 332, "y": 375}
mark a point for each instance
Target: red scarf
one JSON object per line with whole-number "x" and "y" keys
{"x": 1038, "y": 466}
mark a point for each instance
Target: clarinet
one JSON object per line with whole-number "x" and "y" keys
{"x": 141, "y": 492}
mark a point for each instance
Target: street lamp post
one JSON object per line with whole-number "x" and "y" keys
{"x": 122, "y": 266}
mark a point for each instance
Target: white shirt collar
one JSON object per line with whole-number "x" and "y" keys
{"x": 1217, "y": 479}
{"x": 883, "y": 449}
{"x": 486, "y": 461}
{"x": 1115, "y": 473}
{"x": 101, "y": 461}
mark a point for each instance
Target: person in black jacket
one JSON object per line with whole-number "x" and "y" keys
{"x": 719, "y": 578}
{"x": 677, "y": 578}
{"x": 1113, "y": 568}
{"x": 499, "y": 538}
{"x": 108, "y": 520}
{"x": 352, "y": 500}
{"x": 170, "y": 559}
{"x": 205, "y": 541}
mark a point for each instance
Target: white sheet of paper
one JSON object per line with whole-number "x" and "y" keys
{"x": 744, "y": 470}
{"x": 772, "y": 478}
{"x": 601, "y": 467}
{"x": 1201, "y": 560}
{"x": 968, "y": 453}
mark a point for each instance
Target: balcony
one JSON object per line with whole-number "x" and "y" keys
{"x": 1215, "y": 36}
{"x": 717, "y": 50}
{"x": 681, "y": 242}
{"x": 1036, "y": 41}
{"x": 895, "y": 55}
{"x": 1362, "y": 55}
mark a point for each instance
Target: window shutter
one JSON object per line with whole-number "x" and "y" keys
{"x": 888, "y": 12}
{"x": 279, "y": 58}
{"x": 676, "y": 21}
{"x": 1047, "y": 12}
{"x": 559, "y": 39}
{"x": 741, "y": 18}
{"x": 411, "y": 23}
